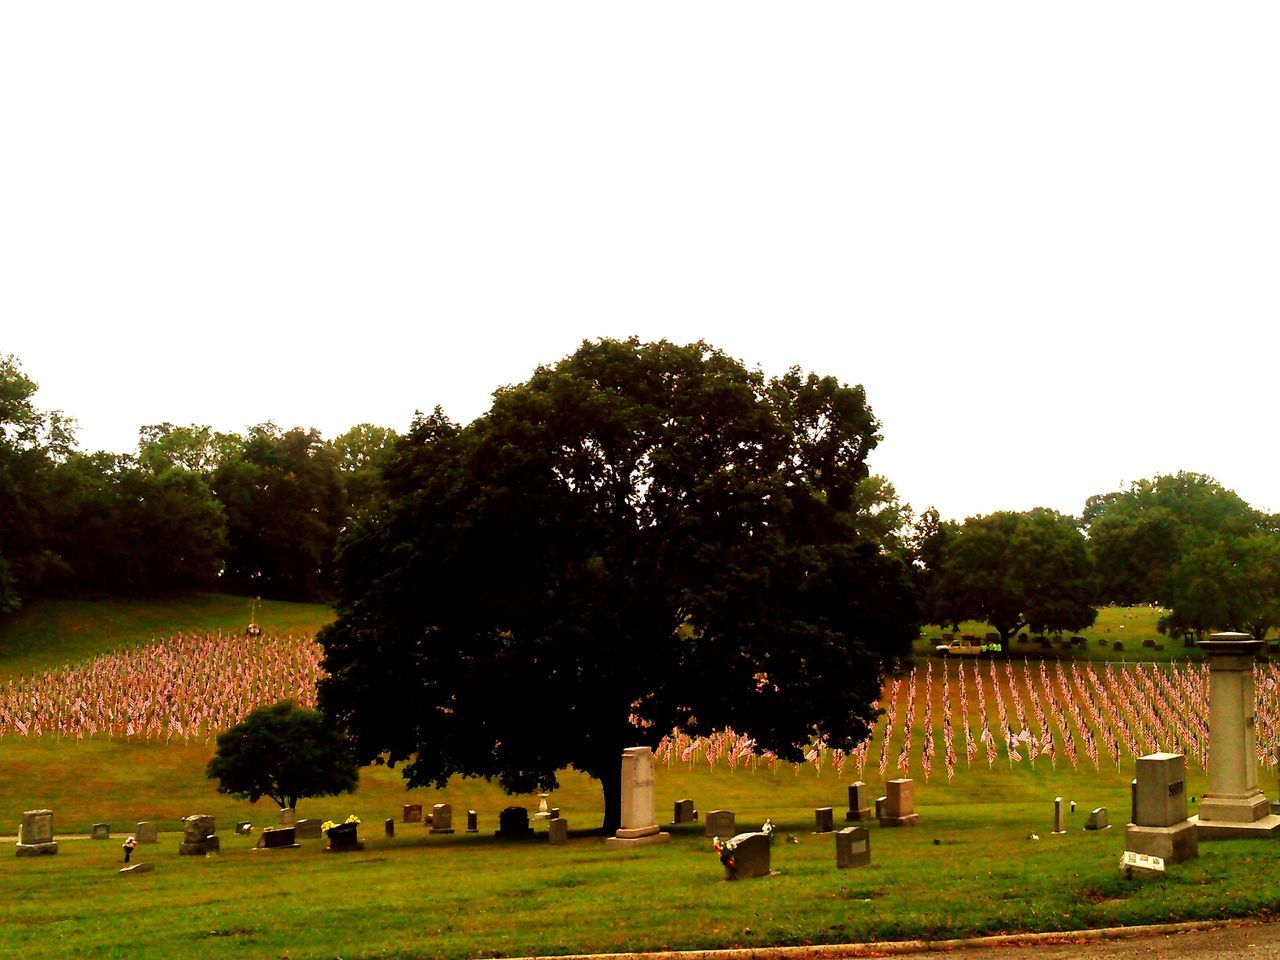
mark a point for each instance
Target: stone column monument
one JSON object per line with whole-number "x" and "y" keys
{"x": 639, "y": 822}
{"x": 1234, "y": 805}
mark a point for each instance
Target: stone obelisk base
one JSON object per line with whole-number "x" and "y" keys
{"x": 1236, "y": 816}
{"x": 637, "y": 837}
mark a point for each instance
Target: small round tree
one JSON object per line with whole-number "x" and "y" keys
{"x": 283, "y": 752}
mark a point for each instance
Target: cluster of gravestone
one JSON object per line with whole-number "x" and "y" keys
{"x": 852, "y": 844}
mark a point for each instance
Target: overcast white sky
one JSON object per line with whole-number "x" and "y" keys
{"x": 1045, "y": 237}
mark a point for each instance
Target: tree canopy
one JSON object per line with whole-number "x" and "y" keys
{"x": 641, "y": 537}
{"x": 1141, "y": 534}
{"x": 1015, "y": 570}
{"x": 283, "y": 752}
{"x": 1232, "y": 583}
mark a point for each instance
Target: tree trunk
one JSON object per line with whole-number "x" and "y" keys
{"x": 610, "y": 777}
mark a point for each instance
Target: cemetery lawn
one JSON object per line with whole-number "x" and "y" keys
{"x": 1131, "y": 626}
{"x": 417, "y": 895}
{"x": 969, "y": 868}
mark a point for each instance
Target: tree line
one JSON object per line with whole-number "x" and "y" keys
{"x": 258, "y": 512}
{"x": 261, "y": 512}
{"x": 1180, "y": 541}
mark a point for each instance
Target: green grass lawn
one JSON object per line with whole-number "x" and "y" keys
{"x": 419, "y": 895}
{"x": 1131, "y": 627}
{"x": 969, "y": 868}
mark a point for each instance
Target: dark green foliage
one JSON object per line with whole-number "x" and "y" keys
{"x": 32, "y": 443}
{"x": 1228, "y": 584}
{"x": 285, "y": 753}
{"x": 282, "y": 496}
{"x": 643, "y": 536}
{"x": 1016, "y": 570}
{"x": 120, "y": 528}
{"x": 362, "y": 453}
{"x": 1140, "y": 535}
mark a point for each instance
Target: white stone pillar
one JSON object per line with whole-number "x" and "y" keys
{"x": 1234, "y": 802}
{"x": 639, "y": 822}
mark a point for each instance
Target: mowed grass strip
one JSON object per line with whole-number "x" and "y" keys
{"x": 467, "y": 896}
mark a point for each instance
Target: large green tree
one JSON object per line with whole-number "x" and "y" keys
{"x": 1232, "y": 583}
{"x": 284, "y": 752}
{"x": 32, "y": 443}
{"x": 1015, "y": 570}
{"x": 282, "y": 496}
{"x": 1140, "y": 535}
{"x": 640, "y": 537}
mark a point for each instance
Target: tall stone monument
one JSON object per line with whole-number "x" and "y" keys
{"x": 1234, "y": 805}
{"x": 639, "y": 823}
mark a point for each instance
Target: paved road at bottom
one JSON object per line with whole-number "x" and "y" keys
{"x": 1259, "y": 941}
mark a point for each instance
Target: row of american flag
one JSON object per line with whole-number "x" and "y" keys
{"x": 1016, "y": 713}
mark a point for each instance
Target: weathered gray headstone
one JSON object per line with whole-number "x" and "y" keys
{"x": 308, "y": 828}
{"x": 199, "y": 836}
{"x": 639, "y": 821}
{"x": 899, "y": 808}
{"x": 1161, "y": 798}
{"x": 1098, "y": 820}
{"x": 1162, "y": 794}
{"x": 473, "y": 823}
{"x": 390, "y": 826}
{"x": 882, "y": 804}
{"x": 823, "y": 820}
{"x": 513, "y": 824}
{"x": 100, "y": 831}
{"x": 720, "y": 823}
{"x": 145, "y": 832}
{"x": 1058, "y": 828}
{"x": 278, "y": 838}
{"x": 287, "y": 817}
{"x": 558, "y": 831}
{"x": 750, "y": 856}
{"x": 442, "y": 818}
{"x": 858, "y": 809}
{"x": 684, "y": 812}
{"x": 853, "y": 847}
{"x": 413, "y": 813}
{"x": 35, "y": 834}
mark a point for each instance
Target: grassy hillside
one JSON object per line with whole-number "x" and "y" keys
{"x": 970, "y": 867}
{"x": 1128, "y": 626}
{"x": 50, "y": 633}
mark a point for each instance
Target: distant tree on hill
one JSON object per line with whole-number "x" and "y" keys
{"x": 1139, "y": 536}
{"x": 363, "y": 452}
{"x": 1229, "y": 584}
{"x": 283, "y": 502}
{"x": 283, "y": 752}
{"x": 117, "y": 527}
{"x": 640, "y": 537}
{"x": 927, "y": 543}
{"x": 32, "y": 443}
{"x": 1015, "y": 570}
